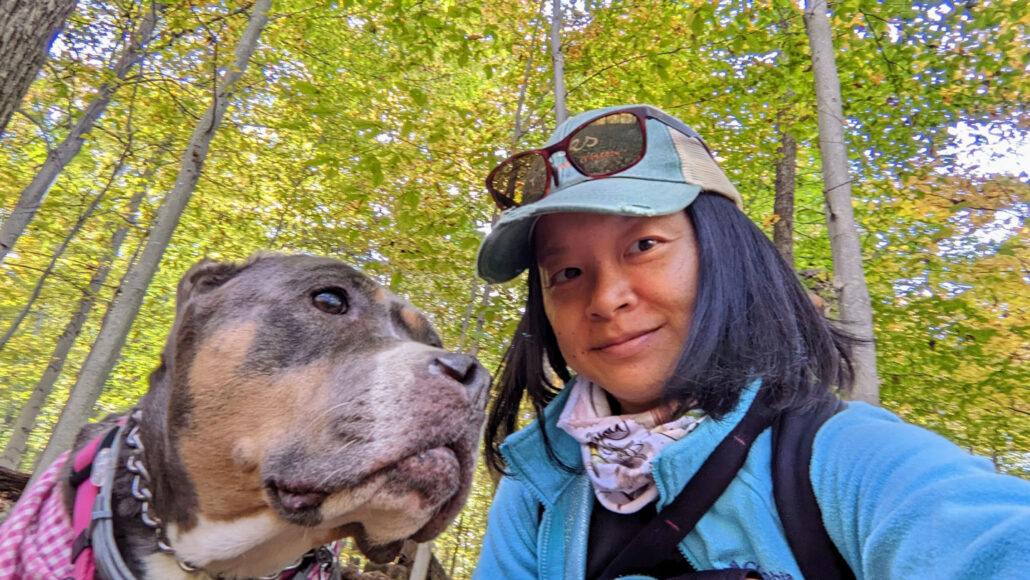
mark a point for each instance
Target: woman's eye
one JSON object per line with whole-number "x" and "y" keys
{"x": 564, "y": 275}
{"x": 643, "y": 245}
{"x": 330, "y": 300}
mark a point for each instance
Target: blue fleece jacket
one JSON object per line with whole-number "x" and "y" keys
{"x": 897, "y": 500}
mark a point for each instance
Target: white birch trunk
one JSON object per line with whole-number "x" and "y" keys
{"x": 423, "y": 556}
{"x": 58, "y": 158}
{"x": 855, "y": 307}
{"x": 105, "y": 351}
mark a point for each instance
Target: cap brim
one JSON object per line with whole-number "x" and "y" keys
{"x": 505, "y": 251}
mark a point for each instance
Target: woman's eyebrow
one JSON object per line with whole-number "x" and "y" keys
{"x": 546, "y": 252}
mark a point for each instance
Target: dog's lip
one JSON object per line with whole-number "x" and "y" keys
{"x": 433, "y": 450}
{"x": 417, "y": 462}
{"x": 452, "y": 504}
{"x": 437, "y": 471}
{"x": 296, "y": 496}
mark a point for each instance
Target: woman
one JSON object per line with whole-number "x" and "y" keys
{"x": 681, "y": 324}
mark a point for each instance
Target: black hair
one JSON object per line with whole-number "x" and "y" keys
{"x": 752, "y": 320}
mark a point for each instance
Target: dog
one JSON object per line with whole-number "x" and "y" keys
{"x": 297, "y": 402}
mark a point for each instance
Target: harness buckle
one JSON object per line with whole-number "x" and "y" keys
{"x": 81, "y": 542}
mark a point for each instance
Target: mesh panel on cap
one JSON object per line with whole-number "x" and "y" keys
{"x": 700, "y": 169}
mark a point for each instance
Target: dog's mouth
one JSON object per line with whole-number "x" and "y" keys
{"x": 296, "y": 500}
{"x": 434, "y": 475}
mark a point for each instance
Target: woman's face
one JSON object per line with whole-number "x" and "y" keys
{"x": 619, "y": 293}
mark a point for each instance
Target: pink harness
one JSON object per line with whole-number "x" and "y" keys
{"x": 36, "y": 539}
{"x": 39, "y": 542}
{"x": 86, "y": 491}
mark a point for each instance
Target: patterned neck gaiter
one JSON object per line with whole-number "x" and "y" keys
{"x": 618, "y": 450}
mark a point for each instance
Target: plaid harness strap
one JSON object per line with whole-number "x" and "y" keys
{"x": 39, "y": 541}
{"x": 36, "y": 540}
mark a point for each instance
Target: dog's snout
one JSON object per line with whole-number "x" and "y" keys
{"x": 463, "y": 368}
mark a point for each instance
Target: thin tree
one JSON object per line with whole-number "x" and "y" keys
{"x": 17, "y": 445}
{"x": 855, "y": 307}
{"x": 58, "y": 158}
{"x": 27, "y": 27}
{"x": 420, "y": 565}
{"x": 102, "y": 357}
{"x": 783, "y": 203}
{"x": 516, "y": 135}
{"x": 561, "y": 112}
{"x": 786, "y": 156}
{"x": 59, "y": 251}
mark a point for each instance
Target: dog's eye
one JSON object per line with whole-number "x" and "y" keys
{"x": 331, "y": 300}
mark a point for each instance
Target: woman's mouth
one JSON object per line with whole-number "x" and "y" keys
{"x": 627, "y": 344}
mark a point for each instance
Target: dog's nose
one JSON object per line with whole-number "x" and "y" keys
{"x": 463, "y": 368}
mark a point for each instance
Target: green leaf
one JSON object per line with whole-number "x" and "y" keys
{"x": 410, "y": 199}
{"x": 376, "y": 170}
{"x": 418, "y": 96}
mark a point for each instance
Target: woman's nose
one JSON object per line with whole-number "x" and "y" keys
{"x": 611, "y": 292}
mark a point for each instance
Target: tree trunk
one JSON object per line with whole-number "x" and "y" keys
{"x": 783, "y": 205}
{"x": 27, "y": 307}
{"x": 58, "y": 158}
{"x": 27, "y": 27}
{"x": 558, "y": 59}
{"x": 17, "y": 445}
{"x": 105, "y": 351}
{"x": 481, "y": 319}
{"x": 855, "y": 307}
{"x": 420, "y": 567}
{"x": 409, "y": 556}
{"x": 469, "y": 309}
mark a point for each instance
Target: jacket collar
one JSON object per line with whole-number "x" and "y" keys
{"x": 526, "y": 457}
{"x": 678, "y": 462}
{"x": 524, "y": 451}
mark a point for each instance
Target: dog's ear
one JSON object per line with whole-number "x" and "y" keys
{"x": 204, "y": 276}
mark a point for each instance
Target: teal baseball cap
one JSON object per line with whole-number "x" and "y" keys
{"x": 676, "y": 166}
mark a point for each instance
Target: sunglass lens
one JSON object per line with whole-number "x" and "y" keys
{"x": 607, "y": 144}
{"x": 520, "y": 180}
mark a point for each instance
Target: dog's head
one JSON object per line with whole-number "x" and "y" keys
{"x": 298, "y": 402}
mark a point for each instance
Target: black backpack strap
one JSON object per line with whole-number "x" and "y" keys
{"x": 730, "y": 574}
{"x": 660, "y": 537}
{"x": 793, "y": 433}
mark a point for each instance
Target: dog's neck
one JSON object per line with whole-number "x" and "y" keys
{"x": 122, "y": 553}
{"x": 173, "y": 508}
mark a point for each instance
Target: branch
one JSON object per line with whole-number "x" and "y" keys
{"x": 620, "y": 64}
{"x": 1012, "y": 408}
{"x": 42, "y": 130}
{"x": 891, "y": 65}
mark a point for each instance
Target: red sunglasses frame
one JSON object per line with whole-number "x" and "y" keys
{"x": 505, "y": 202}
{"x": 642, "y": 114}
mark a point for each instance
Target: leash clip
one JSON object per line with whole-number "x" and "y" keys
{"x": 101, "y": 463}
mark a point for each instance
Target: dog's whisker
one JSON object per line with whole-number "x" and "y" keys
{"x": 336, "y": 475}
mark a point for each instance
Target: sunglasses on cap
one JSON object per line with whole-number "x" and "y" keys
{"x": 600, "y": 147}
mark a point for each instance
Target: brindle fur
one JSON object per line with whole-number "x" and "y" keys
{"x": 256, "y": 385}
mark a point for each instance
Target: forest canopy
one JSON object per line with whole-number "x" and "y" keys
{"x": 364, "y": 130}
